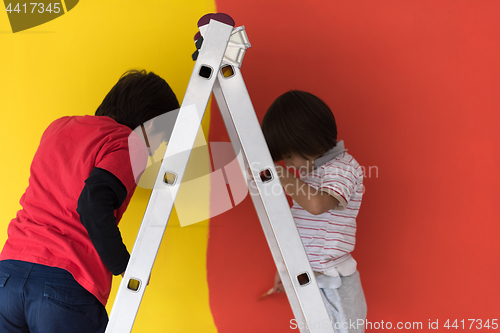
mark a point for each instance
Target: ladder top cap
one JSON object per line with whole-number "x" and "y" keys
{"x": 221, "y": 17}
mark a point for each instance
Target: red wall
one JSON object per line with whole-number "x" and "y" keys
{"x": 414, "y": 86}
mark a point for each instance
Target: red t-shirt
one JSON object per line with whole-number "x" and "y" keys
{"x": 47, "y": 230}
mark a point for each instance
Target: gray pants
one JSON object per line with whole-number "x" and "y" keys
{"x": 346, "y": 305}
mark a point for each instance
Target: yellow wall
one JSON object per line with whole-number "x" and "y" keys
{"x": 65, "y": 67}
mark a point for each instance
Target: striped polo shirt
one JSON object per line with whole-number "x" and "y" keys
{"x": 329, "y": 238}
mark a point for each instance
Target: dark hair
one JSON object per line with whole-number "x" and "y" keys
{"x": 298, "y": 122}
{"x": 137, "y": 97}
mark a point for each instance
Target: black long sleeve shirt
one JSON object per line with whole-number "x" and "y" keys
{"x": 102, "y": 195}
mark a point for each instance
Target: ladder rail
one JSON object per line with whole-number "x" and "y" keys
{"x": 272, "y": 207}
{"x": 162, "y": 199}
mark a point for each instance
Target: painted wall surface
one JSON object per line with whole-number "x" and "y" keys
{"x": 66, "y": 67}
{"x": 414, "y": 87}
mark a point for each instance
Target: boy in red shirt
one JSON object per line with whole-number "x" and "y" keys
{"x": 64, "y": 244}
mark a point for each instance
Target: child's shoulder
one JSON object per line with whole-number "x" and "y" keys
{"x": 343, "y": 159}
{"x": 343, "y": 162}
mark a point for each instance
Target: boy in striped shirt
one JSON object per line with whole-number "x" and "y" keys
{"x": 300, "y": 130}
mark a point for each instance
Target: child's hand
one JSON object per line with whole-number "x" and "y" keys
{"x": 250, "y": 173}
{"x": 278, "y": 287}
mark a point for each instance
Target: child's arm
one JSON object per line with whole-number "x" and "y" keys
{"x": 102, "y": 194}
{"x": 312, "y": 200}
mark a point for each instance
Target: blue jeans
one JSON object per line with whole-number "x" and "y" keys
{"x": 41, "y": 299}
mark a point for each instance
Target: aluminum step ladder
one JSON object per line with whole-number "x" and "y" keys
{"x": 221, "y": 48}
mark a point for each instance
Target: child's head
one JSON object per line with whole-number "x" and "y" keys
{"x": 299, "y": 124}
{"x": 137, "y": 97}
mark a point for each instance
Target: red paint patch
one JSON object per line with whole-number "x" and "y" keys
{"x": 414, "y": 88}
